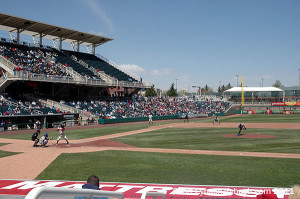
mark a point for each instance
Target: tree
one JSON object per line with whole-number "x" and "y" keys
{"x": 228, "y": 86}
{"x": 223, "y": 88}
{"x": 151, "y": 92}
{"x": 277, "y": 84}
{"x": 172, "y": 91}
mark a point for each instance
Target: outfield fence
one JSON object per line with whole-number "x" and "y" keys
{"x": 268, "y": 109}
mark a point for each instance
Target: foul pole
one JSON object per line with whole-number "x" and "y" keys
{"x": 243, "y": 96}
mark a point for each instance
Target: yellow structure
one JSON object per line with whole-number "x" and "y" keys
{"x": 243, "y": 96}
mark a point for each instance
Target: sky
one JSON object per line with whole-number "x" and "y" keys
{"x": 185, "y": 42}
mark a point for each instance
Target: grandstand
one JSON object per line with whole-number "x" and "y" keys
{"x": 42, "y": 74}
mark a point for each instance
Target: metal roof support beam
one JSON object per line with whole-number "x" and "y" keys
{"x": 34, "y": 42}
{"x": 18, "y": 36}
{"x": 88, "y": 49}
{"x": 60, "y": 44}
{"x": 72, "y": 45}
{"x": 54, "y": 44}
{"x": 78, "y": 46}
{"x": 94, "y": 49}
{"x": 41, "y": 40}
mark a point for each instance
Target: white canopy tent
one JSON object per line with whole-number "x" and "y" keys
{"x": 253, "y": 90}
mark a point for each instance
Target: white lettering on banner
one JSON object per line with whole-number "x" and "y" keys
{"x": 219, "y": 192}
{"x": 125, "y": 188}
{"x": 280, "y": 192}
{"x": 188, "y": 191}
{"x": 105, "y": 185}
{"x": 76, "y": 186}
{"x": 155, "y": 189}
{"x": 32, "y": 184}
{"x": 249, "y": 192}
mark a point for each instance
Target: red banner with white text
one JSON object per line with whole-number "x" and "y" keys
{"x": 135, "y": 190}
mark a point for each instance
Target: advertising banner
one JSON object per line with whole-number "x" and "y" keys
{"x": 285, "y": 103}
{"x": 278, "y": 104}
{"x": 134, "y": 190}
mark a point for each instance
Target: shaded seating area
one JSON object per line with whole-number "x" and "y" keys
{"x": 101, "y": 65}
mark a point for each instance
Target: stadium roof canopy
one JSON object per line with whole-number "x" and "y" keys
{"x": 34, "y": 28}
{"x": 254, "y": 89}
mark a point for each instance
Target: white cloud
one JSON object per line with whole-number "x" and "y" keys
{"x": 99, "y": 12}
{"x": 161, "y": 72}
{"x": 135, "y": 69}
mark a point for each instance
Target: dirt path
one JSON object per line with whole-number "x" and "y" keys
{"x": 32, "y": 161}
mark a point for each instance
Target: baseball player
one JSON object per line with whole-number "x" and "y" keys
{"x": 216, "y": 120}
{"x": 186, "y": 118}
{"x": 150, "y": 118}
{"x": 44, "y": 140}
{"x": 61, "y": 130}
{"x": 241, "y": 126}
{"x": 35, "y": 138}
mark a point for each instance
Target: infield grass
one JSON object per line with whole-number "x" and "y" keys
{"x": 287, "y": 141}
{"x": 6, "y": 153}
{"x": 143, "y": 167}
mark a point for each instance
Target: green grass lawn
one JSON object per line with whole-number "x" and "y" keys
{"x": 6, "y": 153}
{"x": 288, "y": 141}
{"x": 262, "y": 118}
{"x": 143, "y": 167}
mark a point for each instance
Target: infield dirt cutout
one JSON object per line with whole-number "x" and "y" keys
{"x": 31, "y": 161}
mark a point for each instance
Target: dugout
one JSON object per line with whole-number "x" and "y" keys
{"x": 16, "y": 122}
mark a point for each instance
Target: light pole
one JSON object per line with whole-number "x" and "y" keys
{"x": 237, "y": 80}
{"x": 299, "y": 77}
{"x": 262, "y": 82}
{"x": 176, "y": 84}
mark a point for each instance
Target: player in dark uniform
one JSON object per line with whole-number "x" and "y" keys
{"x": 216, "y": 120}
{"x": 186, "y": 118}
{"x": 241, "y": 126}
{"x": 35, "y": 138}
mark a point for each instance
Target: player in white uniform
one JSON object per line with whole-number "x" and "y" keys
{"x": 61, "y": 130}
{"x": 150, "y": 118}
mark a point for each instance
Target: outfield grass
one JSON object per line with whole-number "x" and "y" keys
{"x": 143, "y": 167}
{"x": 288, "y": 141}
{"x": 6, "y": 153}
{"x": 263, "y": 118}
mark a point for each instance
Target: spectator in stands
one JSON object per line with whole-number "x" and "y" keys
{"x": 92, "y": 183}
{"x": 295, "y": 192}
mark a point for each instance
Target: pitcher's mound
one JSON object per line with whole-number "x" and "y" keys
{"x": 250, "y": 135}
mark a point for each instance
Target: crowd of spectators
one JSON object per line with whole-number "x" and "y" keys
{"x": 9, "y": 106}
{"x": 30, "y": 60}
{"x": 142, "y": 107}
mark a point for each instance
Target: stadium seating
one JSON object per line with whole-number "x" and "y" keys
{"x": 100, "y": 64}
{"x": 141, "y": 107}
{"x": 28, "y": 59}
{"x": 69, "y": 62}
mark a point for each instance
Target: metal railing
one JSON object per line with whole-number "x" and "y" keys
{"x": 61, "y": 192}
{"x": 27, "y": 76}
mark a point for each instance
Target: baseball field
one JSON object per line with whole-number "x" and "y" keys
{"x": 267, "y": 154}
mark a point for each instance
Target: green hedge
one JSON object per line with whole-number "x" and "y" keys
{"x": 135, "y": 119}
